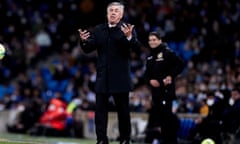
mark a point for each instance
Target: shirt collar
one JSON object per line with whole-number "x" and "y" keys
{"x": 112, "y": 25}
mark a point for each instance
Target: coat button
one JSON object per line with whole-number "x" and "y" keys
{"x": 164, "y": 102}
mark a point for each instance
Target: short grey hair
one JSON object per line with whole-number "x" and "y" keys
{"x": 116, "y": 4}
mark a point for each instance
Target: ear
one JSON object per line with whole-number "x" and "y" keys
{"x": 121, "y": 15}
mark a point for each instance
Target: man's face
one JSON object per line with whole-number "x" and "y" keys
{"x": 235, "y": 95}
{"x": 153, "y": 41}
{"x": 114, "y": 14}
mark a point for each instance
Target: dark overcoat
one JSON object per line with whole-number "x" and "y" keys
{"x": 113, "y": 53}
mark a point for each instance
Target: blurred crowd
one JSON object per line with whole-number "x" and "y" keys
{"x": 44, "y": 58}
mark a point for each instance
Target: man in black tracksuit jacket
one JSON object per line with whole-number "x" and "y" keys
{"x": 163, "y": 65}
{"x": 113, "y": 41}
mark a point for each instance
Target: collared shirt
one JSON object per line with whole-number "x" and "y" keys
{"x": 114, "y": 25}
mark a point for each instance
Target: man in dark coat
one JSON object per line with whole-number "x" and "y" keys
{"x": 113, "y": 41}
{"x": 163, "y": 66}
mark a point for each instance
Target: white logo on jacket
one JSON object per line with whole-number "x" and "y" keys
{"x": 160, "y": 57}
{"x": 150, "y": 57}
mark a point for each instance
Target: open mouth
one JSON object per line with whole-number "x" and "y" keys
{"x": 112, "y": 17}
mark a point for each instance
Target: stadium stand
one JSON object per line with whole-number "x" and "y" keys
{"x": 44, "y": 55}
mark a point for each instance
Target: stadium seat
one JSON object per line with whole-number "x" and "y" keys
{"x": 186, "y": 125}
{"x": 62, "y": 85}
{"x": 2, "y": 91}
{"x": 46, "y": 74}
{"x": 52, "y": 85}
{"x": 68, "y": 96}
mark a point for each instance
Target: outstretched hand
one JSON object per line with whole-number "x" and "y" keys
{"x": 127, "y": 29}
{"x": 84, "y": 34}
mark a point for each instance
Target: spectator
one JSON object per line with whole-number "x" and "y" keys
{"x": 26, "y": 114}
{"x": 231, "y": 120}
{"x": 210, "y": 126}
{"x": 53, "y": 120}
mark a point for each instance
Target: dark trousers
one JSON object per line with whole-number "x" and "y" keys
{"x": 121, "y": 101}
{"x": 161, "y": 116}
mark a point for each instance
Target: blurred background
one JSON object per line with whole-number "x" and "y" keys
{"x": 44, "y": 60}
